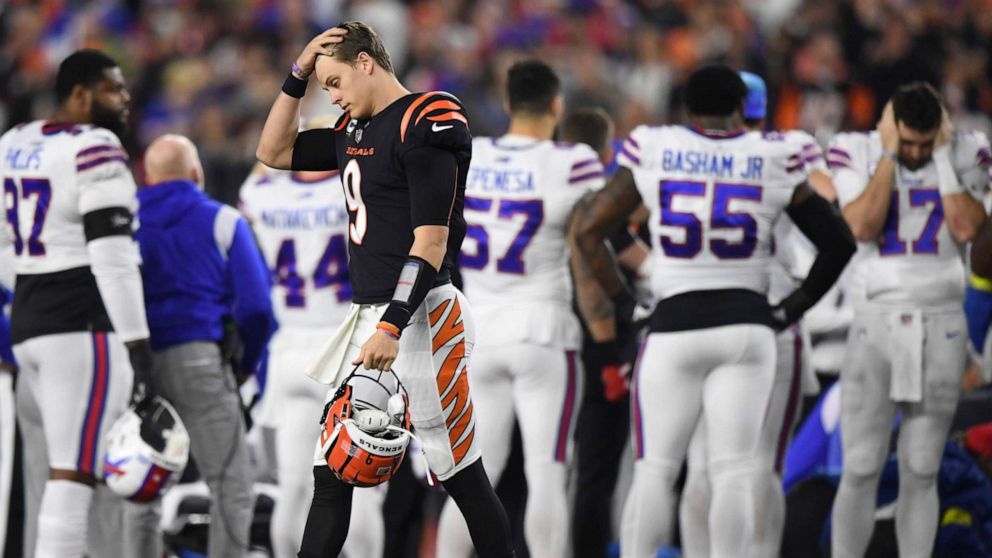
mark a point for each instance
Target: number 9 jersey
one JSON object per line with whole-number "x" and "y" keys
{"x": 915, "y": 258}
{"x": 714, "y": 199}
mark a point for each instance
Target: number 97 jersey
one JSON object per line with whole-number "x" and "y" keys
{"x": 713, "y": 201}
{"x": 301, "y": 224}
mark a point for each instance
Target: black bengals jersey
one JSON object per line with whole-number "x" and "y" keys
{"x": 400, "y": 169}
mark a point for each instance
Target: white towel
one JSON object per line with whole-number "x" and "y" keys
{"x": 906, "y": 355}
{"x": 328, "y": 364}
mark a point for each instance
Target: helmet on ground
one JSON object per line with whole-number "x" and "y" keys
{"x": 147, "y": 450}
{"x": 366, "y": 428}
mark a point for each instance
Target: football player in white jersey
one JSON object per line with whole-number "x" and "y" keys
{"x": 520, "y": 192}
{"x": 78, "y": 296}
{"x": 300, "y": 221}
{"x": 908, "y": 192}
{"x": 793, "y": 375}
{"x": 710, "y": 354}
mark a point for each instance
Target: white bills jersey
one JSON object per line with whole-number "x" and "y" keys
{"x": 519, "y": 198}
{"x": 794, "y": 253}
{"x": 302, "y": 230}
{"x": 52, "y": 176}
{"x": 915, "y": 258}
{"x": 713, "y": 200}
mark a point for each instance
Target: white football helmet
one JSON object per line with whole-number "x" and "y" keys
{"x": 147, "y": 450}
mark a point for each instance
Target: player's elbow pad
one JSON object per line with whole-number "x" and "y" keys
{"x": 834, "y": 242}
{"x": 114, "y": 263}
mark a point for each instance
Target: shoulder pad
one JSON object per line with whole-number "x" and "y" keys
{"x": 436, "y": 119}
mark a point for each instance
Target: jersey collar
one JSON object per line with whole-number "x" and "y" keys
{"x": 514, "y": 142}
{"x": 717, "y": 134}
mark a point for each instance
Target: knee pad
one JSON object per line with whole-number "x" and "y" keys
{"x": 863, "y": 462}
{"x": 733, "y": 468}
{"x": 919, "y": 462}
{"x": 661, "y": 470}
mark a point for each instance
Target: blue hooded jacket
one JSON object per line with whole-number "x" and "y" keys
{"x": 200, "y": 264}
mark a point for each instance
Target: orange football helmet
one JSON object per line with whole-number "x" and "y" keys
{"x": 366, "y": 428}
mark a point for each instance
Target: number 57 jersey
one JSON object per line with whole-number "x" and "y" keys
{"x": 713, "y": 200}
{"x": 519, "y": 197}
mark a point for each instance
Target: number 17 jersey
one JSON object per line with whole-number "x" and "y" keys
{"x": 713, "y": 201}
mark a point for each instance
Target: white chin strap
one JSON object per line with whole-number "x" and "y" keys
{"x": 427, "y": 466}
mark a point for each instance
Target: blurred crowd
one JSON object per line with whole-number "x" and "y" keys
{"x": 210, "y": 69}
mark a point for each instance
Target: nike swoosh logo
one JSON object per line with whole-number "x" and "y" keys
{"x": 437, "y": 128}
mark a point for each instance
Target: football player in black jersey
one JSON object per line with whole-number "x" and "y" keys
{"x": 403, "y": 159}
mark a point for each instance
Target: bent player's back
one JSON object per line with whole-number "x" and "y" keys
{"x": 301, "y": 225}
{"x": 714, "y": 201}
{"x": 53, "y": 176}
{"x": 519, "y": 197}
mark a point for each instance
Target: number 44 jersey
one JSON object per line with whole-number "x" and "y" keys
{"x": 301, "y": 224}
{"x": 519, "y": 197}
{"x": 915, "y": 259}
{"x": 714, "y": 199}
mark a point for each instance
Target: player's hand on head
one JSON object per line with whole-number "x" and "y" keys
{"x": 320, "y": 45}
{"x": 379, "y": 352}
{"x": 887, "y": 129}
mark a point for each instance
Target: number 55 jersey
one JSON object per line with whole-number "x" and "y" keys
{"x": 915, "y": 259}
{"x": 714, "y": 199}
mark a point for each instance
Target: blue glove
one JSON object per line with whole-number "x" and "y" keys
{"x": 978, "y": 313}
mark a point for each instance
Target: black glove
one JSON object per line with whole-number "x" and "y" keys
{"x": 790, "y": 309}
{"x": 140, "y": 354}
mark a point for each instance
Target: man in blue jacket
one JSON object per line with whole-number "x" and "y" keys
{"x": 201, "y": 267}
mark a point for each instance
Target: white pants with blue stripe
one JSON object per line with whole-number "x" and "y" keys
{"x": 722, "y": 376}
{"x": 539, "y": 387}
{"x": 81, "y": 382}
{"x": 70, "y": 389}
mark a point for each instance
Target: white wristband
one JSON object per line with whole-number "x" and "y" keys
{"x": 947, "y": 179}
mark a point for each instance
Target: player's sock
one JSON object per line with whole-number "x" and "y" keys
{"x": 694, "y": 512}
{"x": 330, "y": 513}
{"x": 649, "y": 514}
{"x": 916, "y": 513}
{"x": 770, "y": 515}
{"x": 62, "y": 519}
{"x": 484, "y": 514}
{"x": 853, "y": 515}
{"x": 735, "y": 495}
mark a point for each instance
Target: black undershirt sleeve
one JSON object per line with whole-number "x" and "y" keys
{"x": 314, "y": 150}
{"x": 827, "y": 230}
{"x": 432, "y": 174}
{"x": 109, "y": 221}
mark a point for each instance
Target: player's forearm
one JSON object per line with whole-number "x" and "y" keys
{"x": 964, "y": 215}
{"x": 430, "y": 243}
{"x": 590, "y": 241}
{"x": 275, "y": 145}
{"x": 866, "y": 214}
{"x": 824, "y": 185}
{"x": 594, "y": 305}
{"x": 114, "y": 264}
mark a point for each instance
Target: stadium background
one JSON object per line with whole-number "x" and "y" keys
{"x": 211, "y": 69}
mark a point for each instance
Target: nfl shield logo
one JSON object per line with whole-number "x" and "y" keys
{"x": 358, "y": 135}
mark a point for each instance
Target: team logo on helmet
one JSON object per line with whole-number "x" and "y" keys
{"x": 147, "y": 450}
